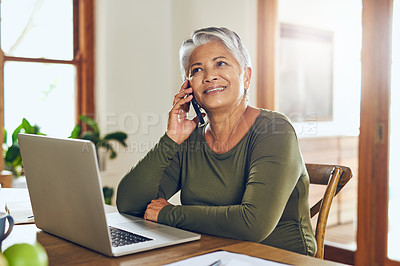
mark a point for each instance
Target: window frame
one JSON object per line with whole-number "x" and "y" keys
{"x": 83, "y": 60}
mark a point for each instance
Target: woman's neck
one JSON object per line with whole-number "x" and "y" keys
{"x": 223, "y": 124}
{"x": 226, "y": 129}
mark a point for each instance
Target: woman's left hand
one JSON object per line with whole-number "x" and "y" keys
{"x": 154, "y": 208}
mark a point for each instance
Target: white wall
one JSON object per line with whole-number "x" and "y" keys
{"x": 137, "y": 66}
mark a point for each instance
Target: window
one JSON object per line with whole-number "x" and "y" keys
{"x": 373, "y": 156}
{"x": 47, "y": 50}
{"x": 318, "y": 85}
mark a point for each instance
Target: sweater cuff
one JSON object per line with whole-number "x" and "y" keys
{"x": 167, "y": 145}
{"x": 163, "y": 214}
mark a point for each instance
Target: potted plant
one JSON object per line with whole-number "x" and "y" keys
{"x": 12, "y": 155}
{"x": 93, "y": 134}
{"x": 101, "y": 142}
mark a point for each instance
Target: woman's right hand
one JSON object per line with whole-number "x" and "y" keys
{"x": 179, "y": 126}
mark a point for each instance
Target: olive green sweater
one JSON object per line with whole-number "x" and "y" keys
{"x": 257, "y": 191}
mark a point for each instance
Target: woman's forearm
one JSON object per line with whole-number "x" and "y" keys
{"x": 141, "y": 184}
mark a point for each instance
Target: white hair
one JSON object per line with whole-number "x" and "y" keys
{"x": 228, "y": 38}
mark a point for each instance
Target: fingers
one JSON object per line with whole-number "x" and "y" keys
{"x": 183, "y": 91}
{"x": 185, "y": 85}
{"x": 181, "y": 105}
{"x": 179, "y": 126}
{"x": 154, "y": 208}
{"x": 155, "y": 203}
{"x": 182, "y": 94}
{"x": 149, "y": 214}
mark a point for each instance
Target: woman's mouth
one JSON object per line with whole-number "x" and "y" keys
{"x": 215, "y": 89}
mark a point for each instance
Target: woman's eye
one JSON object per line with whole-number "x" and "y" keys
{"x": 195, "y": 70}
{"x": 221, "y": 63}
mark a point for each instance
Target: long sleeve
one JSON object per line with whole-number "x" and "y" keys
{"x": 257, "y": 191}
{"x": 273, "y": 166}
{"x": 146, "y": 181}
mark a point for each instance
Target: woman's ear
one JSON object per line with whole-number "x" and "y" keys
{"x": 247, "y": 77}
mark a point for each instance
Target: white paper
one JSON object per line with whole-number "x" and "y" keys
{"x": 21, "y": 211}
{"x": 17, "y": 204}
{"x": 225, "y": 258}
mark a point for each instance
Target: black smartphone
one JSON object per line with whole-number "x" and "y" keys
{"x": 197, "y": 109}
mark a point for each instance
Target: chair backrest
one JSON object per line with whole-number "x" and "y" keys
{"x": 335, "y": 178}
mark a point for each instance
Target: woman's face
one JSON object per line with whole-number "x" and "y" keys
{"x": 216, "y": 77}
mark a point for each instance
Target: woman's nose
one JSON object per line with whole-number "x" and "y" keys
{"x": 210, "y": 76}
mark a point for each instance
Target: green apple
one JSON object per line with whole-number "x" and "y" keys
{"x": 3, "y": 260}
{"x": 25, "y": 254}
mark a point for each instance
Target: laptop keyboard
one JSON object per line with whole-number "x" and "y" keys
{"x": 121, "y": 238}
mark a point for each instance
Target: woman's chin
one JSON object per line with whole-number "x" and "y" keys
{"x": 216, "y": 106}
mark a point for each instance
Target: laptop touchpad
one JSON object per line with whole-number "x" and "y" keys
{"x": 139, "y": 226}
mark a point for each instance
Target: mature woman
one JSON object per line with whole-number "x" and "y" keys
{"x": 241, "y": 175}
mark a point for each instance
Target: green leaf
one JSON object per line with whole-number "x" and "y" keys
{"x": 108, "y": 192}
{"x": 90, "y": 135}
{"x": 36, "y": 130}
{"x": 91, "y": 123}
{"x": 118, "y": 136}
{"x": 108, "y": 147}
{"x": 17, "y": 162}
{"x": 14, "y": 136}
{"x": 4, "y": 136}
{"x": 27, "y": 127}
{"x": 113, "y": 154}
{"x": 12, "y": 153}
{"x": 76, "y": 132}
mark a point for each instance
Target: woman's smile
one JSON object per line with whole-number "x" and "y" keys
{"x": 214, "y": 89}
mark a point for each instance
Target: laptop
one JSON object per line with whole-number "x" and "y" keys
{"x": 67, "y": 200}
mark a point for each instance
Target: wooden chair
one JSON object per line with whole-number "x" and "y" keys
{"x": 334, "y": 177}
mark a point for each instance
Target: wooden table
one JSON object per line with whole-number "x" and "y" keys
{"x": 61, "y": 252}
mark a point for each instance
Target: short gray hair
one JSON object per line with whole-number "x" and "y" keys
{"x": 228, "y": 38}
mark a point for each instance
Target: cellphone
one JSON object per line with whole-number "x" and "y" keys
{"x": 197, "y": 109}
